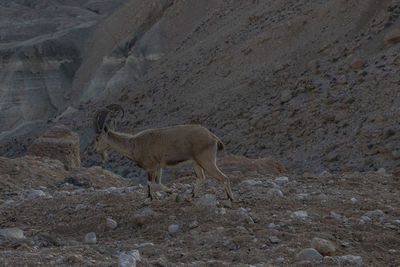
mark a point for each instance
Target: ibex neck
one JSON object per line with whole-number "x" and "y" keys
{"x": 121, "y": 143}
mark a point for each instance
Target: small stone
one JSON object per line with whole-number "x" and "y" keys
{"x": 286, "y": 95}
{"x": 392, "y": 37}
{"x": 336, "y": 216}
{"x": 396, "y": 154}
{"x": 279, "y": 259}
{"x": 374, "y": 213}
{"x": 136, "y": 254}
{"x": 79, "y": 207}
{"x": 126, "y": 260}
{"x": 74, "y": 258}
{"x": 342, "y": 79}
{"x": 220, "y": 211}
{"x": 350, "y": 259}
{"x": 353, "y": 200}
{"x": 227, "y": 203}
{"x": 325, "y": 247}
{"x": 142, "y": 245}
{"x": 35, "y": 194}
{"x": 273, "y": 193}
{"x": 357, "y": 64}
{"x": 281, "y": 180}
{"x": 324, "y": 173}
{"x": 173, "y": 228}
{"x": 90, "y": 238}
{"x": 194, "y": 224}
{"x": 381, "y": 171}
{"x": 323, "y": 197}
{"x": 300, "y": 214}
{"x": 252, "y": 182}
{"x": 110, "y": 223}
{"x": 365, "y": 219}
{"x": 12, "y": 233}
{"x": 274, "y": 239}
{"x": 309, "y": 254}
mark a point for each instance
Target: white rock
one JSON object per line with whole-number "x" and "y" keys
{"x": 324, "y": 173}
{"x": 323, "y": 197}
{"x": 35, "y": 194}
{"x": 273, "y": 193}
{"x": 126, "y": 260}
{"x": 350, "y": 259}
{"x": 353, "y": 200}
{"x": 309, "y": 254}
{"x": 90, "y": 238}
{"x": 12, "y": 233}
{"x": 374, "y": 213}
{"x": 279, "y": 259}
{"x": 111, "y": 223}
{"x": 79, "y": 207}
{"x": 300, "y": 214}
{"x": 193, "y": 224}
{"x": 274, "y": 239}
{"x": 221, "y": 211}
{"x": 136, "y": 254}
{"x": 381, "y": 171}
{"x": 301, "y": 196}
{"x": 282, "y": 180}
{"x": 336, "y": 216}
{"x": 173, "y": 228}
{"x": 142, "y": 245}
{"x": 252, "y": 182}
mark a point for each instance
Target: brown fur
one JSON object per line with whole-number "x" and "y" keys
{"x": 154, "y": 149}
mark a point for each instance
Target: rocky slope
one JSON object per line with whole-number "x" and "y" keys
{"x": 41, "y": 47}
{"x": 313, "y": 83}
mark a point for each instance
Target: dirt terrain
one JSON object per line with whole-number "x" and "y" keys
{"x": 304, "y": 94}
{"x": 274, "y": 217}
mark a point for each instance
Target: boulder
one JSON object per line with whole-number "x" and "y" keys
{"x": 58, "y": 143}
{"x": 323, "y": 246}
{"x": 309, "y": 255}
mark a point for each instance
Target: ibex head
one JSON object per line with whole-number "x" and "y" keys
{"x": 103, "y": 122}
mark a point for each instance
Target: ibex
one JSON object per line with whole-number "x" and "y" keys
{"x": 154, "y": 149}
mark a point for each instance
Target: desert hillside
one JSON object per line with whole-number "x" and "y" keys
{"x": 312, "y": 83}
{"x": 304, "y": 95}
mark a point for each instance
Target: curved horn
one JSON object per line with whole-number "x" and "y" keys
{"x": 100, "y": 119}
{"x": 116, "y": 108}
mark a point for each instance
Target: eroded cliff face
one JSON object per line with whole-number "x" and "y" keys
{"x": 41, "y": 47}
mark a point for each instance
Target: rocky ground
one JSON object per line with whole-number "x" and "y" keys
{"x": 90, "y": 217}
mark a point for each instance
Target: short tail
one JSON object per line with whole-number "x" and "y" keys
{"x": 220, "y": 145}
